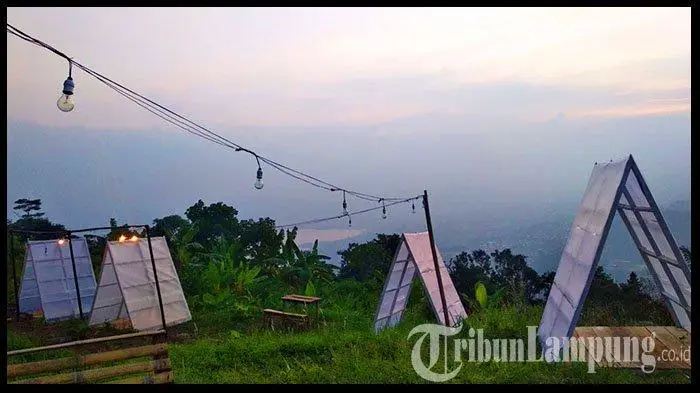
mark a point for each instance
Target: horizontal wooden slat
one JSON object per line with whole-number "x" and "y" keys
{"x": 165, "y": 377}
{"x": 100, "y": 373}
{"x": 84, "y": 342}
{"x": 282, "y": 313}
{"x": 675, "y": 300}
{"x": 637, "y": 208}
{"x": 17, "y": 370}
{"x": 661, "y": 258}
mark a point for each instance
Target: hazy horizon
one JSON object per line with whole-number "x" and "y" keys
{"x": 498, "y": 113}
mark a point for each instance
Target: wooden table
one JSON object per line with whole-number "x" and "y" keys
{"x": 303, "y": 300}
{"x": 666, "y": 338}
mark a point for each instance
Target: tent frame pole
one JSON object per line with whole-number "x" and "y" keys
{"x": 429, "y": 224}
{"x": 75, "y": 273}
{"x": 14, "y": 273}
{"x": 155, "y": 276}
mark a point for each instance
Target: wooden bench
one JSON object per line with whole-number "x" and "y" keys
{"x": 81, "y": 368}
{"x": 272, "y": 316}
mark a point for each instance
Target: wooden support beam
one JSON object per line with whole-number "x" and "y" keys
{"x": 17, "y": 370}
{"x": 166, "y": 377}
{"x": 85, "y": 342}
{"x": 100, "y": 373}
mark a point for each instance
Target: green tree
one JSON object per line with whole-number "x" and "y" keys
{"x": 370, "y": 260}
{"x": 214, "y": 221}
{"x": 33, "y": 220}
{"x": 513, "y": 273}
{"x": 312, "y": 266}
{"x": 260, "y": 239}
{"x": 30, "y": 207}
{"x": 169, "y": 226}
{"x": 466, "y": 270}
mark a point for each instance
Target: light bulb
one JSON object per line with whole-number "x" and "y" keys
{"x": 413, "y": 207}
{"x": 384, "y": 215}
{"x": 349, "y": 222}
{"x": 259, "y": 183}
{"x": 65, "y": 103}
{"x": 122, "y": 238}
{"x": 134, "y": 238}
{"x": 61, "y": 242}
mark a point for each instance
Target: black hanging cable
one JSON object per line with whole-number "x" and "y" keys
{"x": 211, "y": 135}
{"x": 318, "y": 220}
{"x": 345, "y": 205}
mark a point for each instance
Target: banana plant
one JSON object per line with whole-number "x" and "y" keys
{"x": 228, "y": 268}
{"x": 310, "y": 265}
{"x": 184, "y": 246}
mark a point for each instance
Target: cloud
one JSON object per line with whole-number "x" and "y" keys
{"x": 282, "y": 67}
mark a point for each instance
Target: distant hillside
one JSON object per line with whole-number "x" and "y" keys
{"x": 543, "y": 242}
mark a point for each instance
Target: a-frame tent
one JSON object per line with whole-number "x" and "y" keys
{"x": 127, "y": 287}
{"x": 615, "y": 187}
{"x": 47, "y": 279}
{"x": 414, "y": 258}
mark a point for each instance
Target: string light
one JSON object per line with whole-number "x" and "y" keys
{"x": 134, "y": 238}
{"x": 259, "y": 183}
{"x": 349, "y": 221}
{"x": 413, "y": 207}
{"x": 345, "y": 205}
{"x": 319, "y": 220}
{"x": 61, "y": 242}
{"x": 122, "y": 238}
{"x": 196, "y": 129}
{"x": 259, "y": 175}
{"x": 65, "y": 102}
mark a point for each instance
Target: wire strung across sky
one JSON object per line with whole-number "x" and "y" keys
{"x": 196, "y": 129}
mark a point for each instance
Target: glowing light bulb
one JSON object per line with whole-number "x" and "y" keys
{"x": 65, "y": 103}
{"x": 134, "y": 238}
{"x": 259, "y": 183}
{"x": 61, "y": 242}
{"x": 122, "y": 238}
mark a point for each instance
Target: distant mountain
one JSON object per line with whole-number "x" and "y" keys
{"x": 543, "y": 242}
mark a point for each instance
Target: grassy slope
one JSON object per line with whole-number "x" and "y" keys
{"x": 344, "y": 349}
{"x": 356, "y": 355}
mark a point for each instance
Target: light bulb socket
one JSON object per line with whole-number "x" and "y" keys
{"x": 68, "y": 86}
{"x": 259, "y": 175}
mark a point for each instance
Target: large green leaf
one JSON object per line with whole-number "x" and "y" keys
{"x": 480, "y": 294}
{"x": 310, "y": 289}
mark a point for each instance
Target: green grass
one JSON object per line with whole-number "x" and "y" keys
{"x": 356, "y": 355}
{"x": 236, "y": 348}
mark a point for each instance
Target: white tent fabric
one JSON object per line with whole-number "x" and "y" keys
{"x": 615, "y": 186}
{"x": 414, "y": 257}
{"x": 127, "y": 286}
{"x": 47, "y": 279}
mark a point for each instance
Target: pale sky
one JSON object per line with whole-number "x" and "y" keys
{"x": 320, "y": 66}
{"x": 386, "y": 101}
